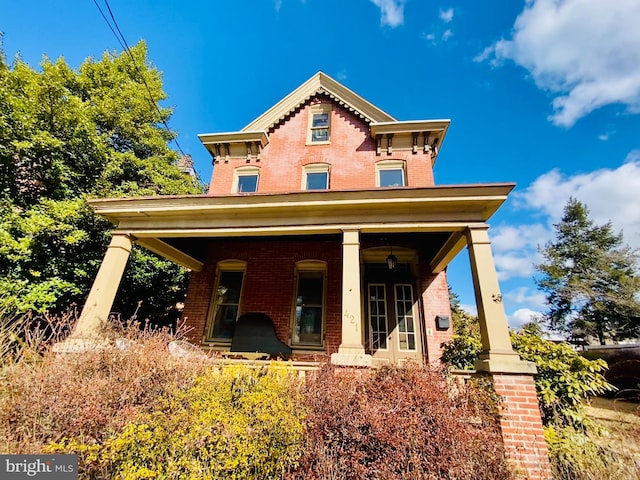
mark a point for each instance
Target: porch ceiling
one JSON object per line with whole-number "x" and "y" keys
{"x": 195, "y": 219}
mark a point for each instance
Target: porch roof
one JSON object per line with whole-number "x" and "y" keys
{"x": 162, "y": 223}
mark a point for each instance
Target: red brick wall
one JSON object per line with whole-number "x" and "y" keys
{"x": 351, "y": 154}
{"x": 521, "y": 425}
{"x": 269, "y": 286}
{"x": 269, "y": 283}
{"x": 435, "y": 298}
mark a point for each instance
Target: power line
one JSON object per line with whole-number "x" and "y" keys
{"x": 125, "y": 46}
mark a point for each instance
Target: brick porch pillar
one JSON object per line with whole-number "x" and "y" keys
{"x": 520, "y": 421}
{"x": 521, "y": 425}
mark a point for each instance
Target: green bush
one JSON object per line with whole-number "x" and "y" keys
{"x": 565, "y": 379}
{"x": 234, "y": 422}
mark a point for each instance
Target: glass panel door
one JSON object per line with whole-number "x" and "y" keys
{"x": 378, "y": 317}
{"x": 393, "y": 321}
{"x": 406, "y": 317}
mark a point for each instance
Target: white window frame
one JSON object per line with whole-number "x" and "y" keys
{"x": 247, "y": 171}
{"x": 306, "y": 266}
{"x": 391, "y": 165}
{"x": 315, "y": 168}
{"x": 316, "y": 110}
{"x": 222, "y": 267}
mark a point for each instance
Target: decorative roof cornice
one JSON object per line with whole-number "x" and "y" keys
{"x": 319, "y": 84}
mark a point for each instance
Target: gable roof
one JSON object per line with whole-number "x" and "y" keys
{"x": 320, "y": 83}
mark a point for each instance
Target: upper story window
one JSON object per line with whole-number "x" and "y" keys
{"x": 315, "y": 176}
{"x": 390, "y": 173}
{"x": 319, "y": 124}
{"x": 245, "y": 180}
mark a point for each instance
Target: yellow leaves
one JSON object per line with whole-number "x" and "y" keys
{"x": 234, "y": 422}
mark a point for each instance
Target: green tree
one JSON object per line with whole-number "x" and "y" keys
{"x": 590, "y": 279}
{"x": 67, "y": 136}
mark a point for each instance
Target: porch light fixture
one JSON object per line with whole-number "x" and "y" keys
{"x": 392, "y": 261}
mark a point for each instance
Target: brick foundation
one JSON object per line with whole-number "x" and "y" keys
{"x": 521, "y": 426}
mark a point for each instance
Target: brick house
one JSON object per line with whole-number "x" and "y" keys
{"x": 323, "y": 214}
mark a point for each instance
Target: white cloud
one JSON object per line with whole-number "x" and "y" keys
{"x": 431, "y": 37}
{"x": 525, "y": 296}
{"x": 522, "y": 316}
{"x": 516, "y": 248}
{"x": 342, "y": 75}
{"x": 447, "y": 35}
{"x": 507, "y": 238}
{"x": 513, "y": 265}
{"x": 470, "y": 309}
{"x": 610, "y": 195}
{"x": 446, "y": 15}
{"x": 391, "y": 12}
{"x": 587, "y": 52}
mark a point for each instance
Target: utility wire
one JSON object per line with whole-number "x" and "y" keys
{"x": 125, "y": 46}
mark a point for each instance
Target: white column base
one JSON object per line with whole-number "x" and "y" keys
{"x": 81, "y": 345}
{"x": 351, "y": 356}
{"x": 504, "y": 362}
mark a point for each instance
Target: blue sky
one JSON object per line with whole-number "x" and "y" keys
{"x": 544, "y": 93}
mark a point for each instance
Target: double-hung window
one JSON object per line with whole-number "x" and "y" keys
{"x": 245, "y": 179}
{"x": 315, "y": 176}
{"x": 319, "y": 124}
{"x": 309, "y": 308}
{"x": 390, "y": 173}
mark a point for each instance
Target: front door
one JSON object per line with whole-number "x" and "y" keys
{"x": 393, "y": 320}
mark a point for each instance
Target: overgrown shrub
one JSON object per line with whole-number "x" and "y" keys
{"x": 576, "y": 455}
{"x": 408, "y": 422}
{"x": 565, "y": 379}
{"x": 234, "y": 422}
{"x": 44, "y": 398}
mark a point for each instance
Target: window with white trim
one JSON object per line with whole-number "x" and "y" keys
{"x": 319, "y": 124}
{"x": 315, "y": 176}
{"x": 245, "y": 179}
{"x": 309, "y": 306}
{"x": 390, "y": 173}
{"x": 225, "y": 302}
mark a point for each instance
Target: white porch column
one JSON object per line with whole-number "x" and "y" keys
{"x": 351, "y": 350}
{"x": 89, "y": 330}
{"x": 497, "y": 353}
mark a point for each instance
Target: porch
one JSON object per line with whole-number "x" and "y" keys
{"x": 360, "y": 226}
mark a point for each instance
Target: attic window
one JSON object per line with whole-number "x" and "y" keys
{"x": 319, "y": 124}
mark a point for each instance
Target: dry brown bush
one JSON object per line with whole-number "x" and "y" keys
{"x": 45, "y": 397}
{"x": 400, "y": 423}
